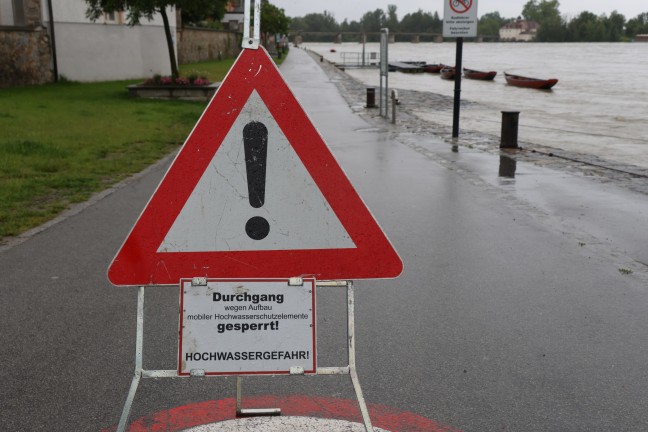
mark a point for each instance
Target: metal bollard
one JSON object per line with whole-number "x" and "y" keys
{"x": 371, "y": 97}
{"x": 510, "y": 120}
{"x": 395, "y": 101}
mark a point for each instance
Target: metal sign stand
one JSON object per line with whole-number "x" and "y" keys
{"x": 349, "y": 369}
{"x": 251, "y": 42}
{"x": 384, "y": 71}
{"x": 457, "y": 88}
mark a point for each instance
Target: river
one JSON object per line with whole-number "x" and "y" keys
{"x": 599, "y": 106}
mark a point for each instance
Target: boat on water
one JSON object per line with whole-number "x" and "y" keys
{"x": 479, "y": 75}
{"x": 406, "y": 66}
{"x": 535, "y": 83}
{"x": 448, "y": 72}
{"x": 433, "y": 68}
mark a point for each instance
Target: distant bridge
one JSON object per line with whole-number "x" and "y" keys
{"x": 414, "y": 37}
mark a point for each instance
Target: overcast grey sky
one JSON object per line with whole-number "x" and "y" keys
{"x": 354, "y": 9}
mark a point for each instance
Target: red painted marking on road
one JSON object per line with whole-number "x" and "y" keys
{"x": 201, "y": 413}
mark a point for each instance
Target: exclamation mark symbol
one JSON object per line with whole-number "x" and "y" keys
{"x": 255, "y": 142}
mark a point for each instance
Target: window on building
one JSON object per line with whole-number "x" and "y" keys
{"x": 116, "y": 17}
{"x": 12, "y": 12}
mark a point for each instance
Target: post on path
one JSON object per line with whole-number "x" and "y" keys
{"x": 459, "y": 21}
{"x": 457, "y": 88}
{"x": 384, "y": 72}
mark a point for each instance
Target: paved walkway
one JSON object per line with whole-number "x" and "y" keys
{"x": 521, "y": 307}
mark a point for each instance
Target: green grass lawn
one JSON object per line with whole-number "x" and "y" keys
{"x": 60, "y": 143}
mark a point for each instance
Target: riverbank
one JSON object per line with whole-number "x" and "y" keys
{"x": 632, "y": 177}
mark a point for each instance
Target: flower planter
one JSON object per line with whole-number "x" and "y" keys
{"x": 196, "y": 93}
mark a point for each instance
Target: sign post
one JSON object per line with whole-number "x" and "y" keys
{"x": 253, "y": 199}
{"x": 384, "y": 71}
{"x": 459, "y": 21}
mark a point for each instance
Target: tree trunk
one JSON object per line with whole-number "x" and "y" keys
{"x": 169, "y": 39}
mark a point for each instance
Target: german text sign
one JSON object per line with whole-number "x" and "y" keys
{"x": 259, "y": 326}
{"x": 460, "y": 18}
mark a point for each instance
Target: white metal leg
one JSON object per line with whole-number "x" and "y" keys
{"x": 240, "y": 411}
{"x": 139, "y": 348}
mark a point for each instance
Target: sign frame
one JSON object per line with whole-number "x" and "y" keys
{"x": 142, "y": 260}
{"x": 245, "y": 349}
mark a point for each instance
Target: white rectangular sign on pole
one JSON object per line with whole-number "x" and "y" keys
{"x": 460, "y": 18}
{"x": 247, "y": 327}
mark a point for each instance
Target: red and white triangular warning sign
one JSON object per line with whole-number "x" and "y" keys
{"x": 254, "y": 192}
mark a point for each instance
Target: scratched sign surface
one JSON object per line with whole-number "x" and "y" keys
{"x": 231, "y": 193}
{"x": 254, "y": 193}
{"x": 247, "y": 327}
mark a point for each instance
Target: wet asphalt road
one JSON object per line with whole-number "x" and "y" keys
{"x": 522, "y": 306}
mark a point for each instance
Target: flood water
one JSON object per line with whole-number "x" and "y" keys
{"x": 599, "y": 106}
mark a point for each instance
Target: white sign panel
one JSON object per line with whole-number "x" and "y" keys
{"x": 247, "y": 327}
{"x": 460, "y": 18}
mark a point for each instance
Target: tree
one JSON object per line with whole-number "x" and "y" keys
{"x": 586, "y": 27}
{"x": 322, "y": 22}
{"x": 273, "y": 21}
{"x": 138, "y": 9}
{"x": 352, "y": 27}
{"x": 614, "y": 25}
{"x": 545, "y": 10}
{"x": 392, "y": 18}
{"x": 373, "y": 21}
{"x": 547, "y": 14}
{"x": 490, "y": 23}
{"x": 421, "y": 22}
{"x": 637, "y": 25}
{"x": 210, "y": 14}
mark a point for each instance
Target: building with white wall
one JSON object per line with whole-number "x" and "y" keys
{"x": 108, "y": 49}
{"x": 33, "y": 46}
{"x": 519, "y": 31}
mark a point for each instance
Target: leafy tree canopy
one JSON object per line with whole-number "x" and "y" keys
{"x": 138, "y": 9}
{"x": 273, "y": 21}
{"x": 637, "y": 25}
{"x": 553, "y": 26}
{"x": 212, "y": 12}
{"x": 424, "y": 22}
{"x": 373, "y": 21}
{"x": 490, "y": 24}
{"x": 541, "y": 12}
{"x": 391, "y": 21}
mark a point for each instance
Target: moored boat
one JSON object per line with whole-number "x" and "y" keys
{"x": 479, "y": 75}
{"x": 521, "y": 81}
{"x": 448, "y": 72}
{"x": 407, "y": 67}
{"x": 433, "y": 68}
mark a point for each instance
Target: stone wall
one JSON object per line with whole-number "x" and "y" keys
{"x": 26, "y": 56}
{"x": 195, "y": 45}
{"x": 25, "y": 51}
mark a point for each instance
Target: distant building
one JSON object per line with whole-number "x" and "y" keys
{"x": 641, "y": 38}
{"x": 519, "y": 31}
{"x": 233, "y": 18}
{"x": 108, "y": 49}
